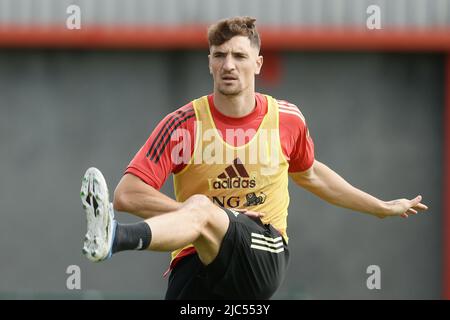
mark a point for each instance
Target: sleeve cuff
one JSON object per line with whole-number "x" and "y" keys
{"x": 143, "y": 176}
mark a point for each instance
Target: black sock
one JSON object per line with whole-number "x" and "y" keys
{"x": 135, "y": 236}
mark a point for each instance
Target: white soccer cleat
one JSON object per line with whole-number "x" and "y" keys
{"x": 99, "y": 215}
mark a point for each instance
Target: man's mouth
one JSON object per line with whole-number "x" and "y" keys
{"x": 229, "y": 78}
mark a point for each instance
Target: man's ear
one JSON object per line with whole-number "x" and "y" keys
{"x": 259, "y": 63}
{"x": 209, "y": 64}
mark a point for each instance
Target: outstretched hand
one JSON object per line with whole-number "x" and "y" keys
{"x": 403, "y": 207}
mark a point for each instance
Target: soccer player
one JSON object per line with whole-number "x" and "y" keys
{"x": 230, "y": 153}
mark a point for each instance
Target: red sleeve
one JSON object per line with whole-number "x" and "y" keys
{"x": 167, "y": 150}
{"x": 296, "y": 141}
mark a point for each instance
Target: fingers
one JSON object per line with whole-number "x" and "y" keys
{"x": 420, "y": 206}
{"x": 253, "y": 213}
{"x": 415, "y": 203}
{"x": 259, "y": 214}
{"x": 415, "y": 206}
{"x": 408, "y": 212}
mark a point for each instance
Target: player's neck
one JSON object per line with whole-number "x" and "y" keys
{"x": 235, "y": 106}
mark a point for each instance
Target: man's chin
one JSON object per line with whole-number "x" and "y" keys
{"x": 230, "y": 91}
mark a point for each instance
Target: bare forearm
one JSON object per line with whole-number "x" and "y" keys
{"x": 328, "y": 185}
{"x": 135, "y": 197}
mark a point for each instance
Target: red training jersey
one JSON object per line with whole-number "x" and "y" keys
{"x": 153, "y": 162}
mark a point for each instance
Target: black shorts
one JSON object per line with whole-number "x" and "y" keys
{"x": 251, "y": 264}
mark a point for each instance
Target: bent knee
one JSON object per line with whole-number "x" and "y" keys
{"x": 202, "y": 211}
{"x": 198, "y": 200}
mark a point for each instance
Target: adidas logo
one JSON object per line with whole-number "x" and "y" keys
{"x": 235, "y": 176}
{"x": 264, "y": 243}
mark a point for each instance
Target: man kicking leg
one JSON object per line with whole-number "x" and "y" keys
{"x": 225, "y": 264}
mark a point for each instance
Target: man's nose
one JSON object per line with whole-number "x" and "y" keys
{"x": 228, "y": 64}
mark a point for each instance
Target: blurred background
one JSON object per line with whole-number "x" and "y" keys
{"x": 376, "y": 100}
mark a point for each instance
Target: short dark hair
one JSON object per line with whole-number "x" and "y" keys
{"x": 226, "y": 29}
